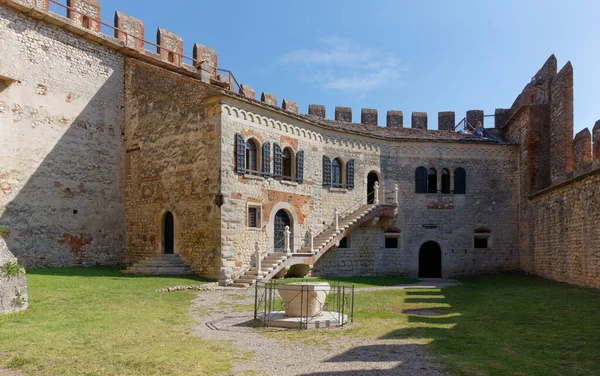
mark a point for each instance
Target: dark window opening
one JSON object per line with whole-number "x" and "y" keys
{"x": 171, "y": 57}
{"x": 481, "y": 242}
{"x": 286, "y": 159}
{"x": 432, "y": 181}
{"x": 371, "y": 179}
{"x": 460, "y": 181}
{"x": 336, "y": 173}
{"x": 421, "y": 180}
{"x": 168, "y": 233}
{"x": 445, "y": 181}
{"x": 392, "y": 242}
{"x": 253, "y": 217}
{"x": 343, "y": 242}
{"x": 251, "y": 157}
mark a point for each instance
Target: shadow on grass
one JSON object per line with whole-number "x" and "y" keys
{"x": 114, "y": 272}
{"x": 402, "y": 357}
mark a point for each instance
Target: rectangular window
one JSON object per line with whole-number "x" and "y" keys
{"x": 254, "y": 217}
{"x": 481, "y": 241}
{"x": 392, "y": 241}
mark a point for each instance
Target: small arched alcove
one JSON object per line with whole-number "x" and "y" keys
{"x": 430, "y": 260}
{"x": 168, "y": 232}
{"x": 372, "y": 177}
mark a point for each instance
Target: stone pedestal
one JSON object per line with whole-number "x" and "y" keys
{"x": 13, "y": 288}
{"x": 304, "y": 299}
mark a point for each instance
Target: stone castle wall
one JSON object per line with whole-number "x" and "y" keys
{"x": 311, "y": 205}
{"x": 172, "y": 140}
{"x": 61, "y": 150}
{"x": 448, "y": 219}
{"x": 558, "y": 203}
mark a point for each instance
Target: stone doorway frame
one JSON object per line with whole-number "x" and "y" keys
{"x": 294, "y": 236}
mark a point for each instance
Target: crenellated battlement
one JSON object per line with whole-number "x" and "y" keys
{"x": 127, "y": 31}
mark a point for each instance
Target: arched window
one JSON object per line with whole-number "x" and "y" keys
{"x": 460, "y": 181}
{"x": 445, "y": 181}
{"x": 336, "y": 173}
{"x": 286, "y": 162}
{"x": 251, "y": 157}
{"x": 421, "y": 180}
{"x": 432, "y": 181}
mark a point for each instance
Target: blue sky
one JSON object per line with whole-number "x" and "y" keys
{"x": 390, "y": 55}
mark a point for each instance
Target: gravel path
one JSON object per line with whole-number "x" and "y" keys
{"x": 217, "y": 319}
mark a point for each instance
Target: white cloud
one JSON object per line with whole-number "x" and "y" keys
{"x": 340, "y": 64}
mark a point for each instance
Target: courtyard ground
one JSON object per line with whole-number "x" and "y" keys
{"x": 99, "y": 322}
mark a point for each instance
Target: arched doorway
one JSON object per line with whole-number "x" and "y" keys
{"x": 281, "y": 220}
{"x": 371, "y": 179}
{"x": 430, "y": 260}
{"x": 168, "y": 233}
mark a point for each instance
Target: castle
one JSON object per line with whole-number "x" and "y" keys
{"x": 111, "y": 154}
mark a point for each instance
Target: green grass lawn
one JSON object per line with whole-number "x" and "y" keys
{"x": 495, "y": 325}
{"x": 97, "y": 321}
{"x": 491, "y": 325}
{"x": 358, "y": 281}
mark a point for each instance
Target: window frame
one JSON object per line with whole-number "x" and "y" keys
{"x": 393, "y": 235}
{"x": 462, "y": 181}
{"x": 248, "y": 158}
{"x": 432, "y": 177}
{"x": 446, "y": 176}
{"x": 292, "y": 169}
{"x": 334, "y": 183}
{"x": 258, "y": 208}
{"x": 482, "y": 233}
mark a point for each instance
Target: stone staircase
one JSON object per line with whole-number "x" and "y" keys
{"x": 163, "y": 264}
{"x": 275, "y": 262}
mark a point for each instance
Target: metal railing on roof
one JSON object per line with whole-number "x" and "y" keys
{"x": 124, "y": 38}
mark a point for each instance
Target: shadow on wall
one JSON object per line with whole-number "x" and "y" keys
{"x": 62, "y": 152}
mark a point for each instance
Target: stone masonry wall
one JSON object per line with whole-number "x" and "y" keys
{"x": 448, "y": 219}
{"x": 566, "y": 235}
{"x": 61, "y": 146}
{"x": 558, "y": 203}
{"x": 489, "y": 202}
{"x": 311, "y": 205}
{"x": 173, "y": 139}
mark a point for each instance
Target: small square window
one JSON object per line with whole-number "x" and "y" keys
{"x": 392, "y": 241}
{"x": 254, "y": 217}
{"x": 481, "y": 241}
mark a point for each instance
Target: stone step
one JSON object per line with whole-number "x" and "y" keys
{"x": 160, "y": 271}
{"x": 248, "y": 281}
{"x": 160, "y": 263}
{"x": 240, "y": 285}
